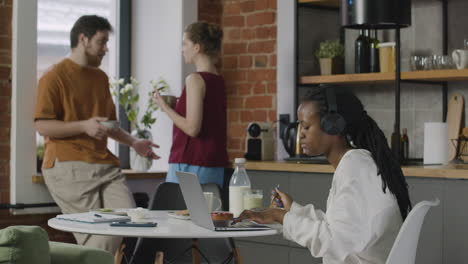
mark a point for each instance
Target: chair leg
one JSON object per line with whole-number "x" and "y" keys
{"x": 159, "y": 258}
{"x": 196, "y": 259}
{"x": 237, "y": 256}
{"x": 119, "y": 254}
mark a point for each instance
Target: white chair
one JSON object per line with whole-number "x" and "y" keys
{"x": 406, "y": 243}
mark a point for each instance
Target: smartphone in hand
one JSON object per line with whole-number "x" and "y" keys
{"x": 134, "y": 224}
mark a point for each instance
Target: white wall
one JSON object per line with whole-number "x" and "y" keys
{"x": 23, "y": 138}
{"x": 157, "y": 29}
{"x": 285, "y": 69}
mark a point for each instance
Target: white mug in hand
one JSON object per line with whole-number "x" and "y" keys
{"x": 209, "y": 197}
{"x": 460, "y": 58}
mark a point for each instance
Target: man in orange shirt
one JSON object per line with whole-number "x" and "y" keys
{"x": 73, "y": 98}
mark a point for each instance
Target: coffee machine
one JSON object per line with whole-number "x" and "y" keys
{"x": 260, "y": 142}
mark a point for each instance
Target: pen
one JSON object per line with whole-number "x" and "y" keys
{"x": 97, "y": 215}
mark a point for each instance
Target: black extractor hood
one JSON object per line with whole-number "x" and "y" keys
{"x": 378, "y": 14}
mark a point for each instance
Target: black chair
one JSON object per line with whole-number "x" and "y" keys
{"x": 168, "y": 196}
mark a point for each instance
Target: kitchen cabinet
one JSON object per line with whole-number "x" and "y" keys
{"x": 443, "y": 236}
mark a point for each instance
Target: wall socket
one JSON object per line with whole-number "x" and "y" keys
{"x": 284, "y": 120}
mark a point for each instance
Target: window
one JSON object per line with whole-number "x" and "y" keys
{"x": 54, "y": 22}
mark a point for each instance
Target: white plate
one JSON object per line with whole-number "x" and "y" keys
{"x": 174, "y": 215}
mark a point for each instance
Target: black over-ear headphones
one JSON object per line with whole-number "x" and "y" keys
{"x": 332, "y": 122}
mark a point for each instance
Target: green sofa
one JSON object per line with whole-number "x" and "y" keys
{"x": 30, "y": 244}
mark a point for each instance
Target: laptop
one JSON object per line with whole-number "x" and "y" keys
{"x": 198, "y": 208}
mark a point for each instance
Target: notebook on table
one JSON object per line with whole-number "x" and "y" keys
{"x": 93, "y": 217}
{"x": 198, "y": 208}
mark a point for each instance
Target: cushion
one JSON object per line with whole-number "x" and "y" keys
{"x": 24, "y": 245}
{"x": 70, "y": 254}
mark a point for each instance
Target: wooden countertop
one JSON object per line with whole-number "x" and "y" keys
{"x": 451, "y": 171}
{"x": 129, "y": 174}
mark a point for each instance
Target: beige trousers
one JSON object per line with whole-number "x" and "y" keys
{"x": 80, "y": 187}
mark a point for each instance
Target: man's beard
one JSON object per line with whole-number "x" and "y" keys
{"x": 93, "y": 60}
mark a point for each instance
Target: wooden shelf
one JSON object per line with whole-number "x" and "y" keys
{"x": 326, "y": 3}
{"x": 434, "y": 75}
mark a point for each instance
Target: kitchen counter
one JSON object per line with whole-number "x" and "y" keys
{"x": 129, "y": 174}
{"x": 451, "y": 171}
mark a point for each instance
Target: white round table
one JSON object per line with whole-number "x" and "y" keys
{"x": 168, "y": 227}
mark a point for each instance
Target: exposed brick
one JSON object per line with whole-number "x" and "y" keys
{"x": 4, "y": 73}
{"x": 244, "y": 89}
{"x": 232, "y": 154}
{"x": 246, "y": 116}
{"x": 265, "y": 18}
{"x": 245, "y": 61}
{"x": 5, "y": 58}
{"x": 5, "y": 20}
{"x": 271, "y": 88}
{"x": 5, "y": 152}
{"x": 5, "y": 43}
{"x": 5, "y": 196}
{"x": 234, "y": 143}
{"x": 235, "y": 102}
{"x": 261, "y": 61}
{"x": 261, "y": 4}
{"x": 234, "y": 76}
{"x": 259, "y": 102}
{"x": 272, "y": 115}
{"x": 265, "y": 46}
{"x": 233, "y": 34}
{"x": 233, "y": 116}
{"x": 5, "y": 88}
{"x": 4, "y": 182}
{"x": 233, "y": 21}
{"x": 232, "y": 8}
{"x": 260, "y": 115}
{"x": 4, "y": 137}
{"x": 5, "y": 104}
{"x": 236, "y": 130}
{"x": 230, "y": 62}
{"x": 272, "y": 60}
{"x": 248, "y": 34}
{"x": 260, "y": 88}
{"x": 231, "y": 89}
{"x": 247, "y": 6}
{"x": 5, "y": 120}
{"x": 262, "y": 75}
{"x": 272, "y": 4}
{"x": 234, "y": 48}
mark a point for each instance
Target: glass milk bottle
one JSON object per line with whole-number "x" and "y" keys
{"x": 239, "y": 183}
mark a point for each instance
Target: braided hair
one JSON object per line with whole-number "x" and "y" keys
{"x": 362, "y": 132}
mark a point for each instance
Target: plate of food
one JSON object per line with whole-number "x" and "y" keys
{"x": 183, "y": 214}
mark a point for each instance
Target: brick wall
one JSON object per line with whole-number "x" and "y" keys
{"x": 5, "y": 98}
{"x": 248, "y": 63}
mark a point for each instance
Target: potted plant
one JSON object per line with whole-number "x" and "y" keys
{"x": 330, "y": 55}
{"x": 128, "y": 98}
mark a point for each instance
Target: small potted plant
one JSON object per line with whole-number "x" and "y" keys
{"x": 330, "y": 55}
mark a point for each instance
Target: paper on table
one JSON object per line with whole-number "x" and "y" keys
{"x": 92, "y": 217}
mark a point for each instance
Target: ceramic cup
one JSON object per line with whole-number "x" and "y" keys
{"x": 138, "y": 214}
{"x": 210, "y": 198}
{"x": 460, "y": 58}
{"x": 112, "y": 124}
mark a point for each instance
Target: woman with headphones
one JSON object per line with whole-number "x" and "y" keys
{"x": 368, "y": 199}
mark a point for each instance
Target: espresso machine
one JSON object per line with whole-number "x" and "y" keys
{"x": 260, "y": 142}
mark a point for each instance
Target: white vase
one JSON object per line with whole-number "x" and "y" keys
{"x": 138, "y": 162}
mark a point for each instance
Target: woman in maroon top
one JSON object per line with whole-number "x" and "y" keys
{"x": 199, "y": 135}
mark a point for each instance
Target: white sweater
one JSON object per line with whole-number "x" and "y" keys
{"x": 361, "y": 222}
